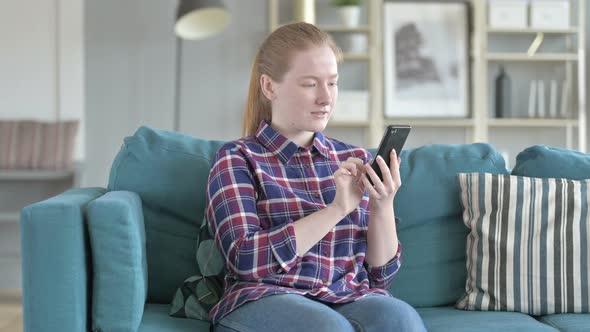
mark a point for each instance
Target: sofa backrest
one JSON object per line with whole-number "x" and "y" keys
{"x": 169, "y": 172}
{"x": 431, "y": 227}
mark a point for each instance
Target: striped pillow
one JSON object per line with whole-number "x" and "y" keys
{"x": 528, "y": 247}
{"x": 37, "y": 145}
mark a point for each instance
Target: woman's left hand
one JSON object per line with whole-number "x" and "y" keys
{"x": 382, "y": 193}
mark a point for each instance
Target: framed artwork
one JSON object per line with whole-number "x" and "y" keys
{"x": 426, "y": 59}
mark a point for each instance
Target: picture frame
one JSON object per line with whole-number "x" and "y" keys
{"x": 426, "y": 59}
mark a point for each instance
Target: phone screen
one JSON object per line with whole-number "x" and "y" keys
{"x": 394, "y": 138}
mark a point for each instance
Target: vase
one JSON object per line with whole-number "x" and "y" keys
{"x": 503, "y": 97}
{"x": 350, "y": 15}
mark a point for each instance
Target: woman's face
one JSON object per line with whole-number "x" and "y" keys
{"x": 303, "y": 102}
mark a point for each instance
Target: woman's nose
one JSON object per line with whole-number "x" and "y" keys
{"x": 324, "y": 96}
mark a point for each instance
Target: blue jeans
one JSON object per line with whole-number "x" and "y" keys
{"x": 291, "y": 312}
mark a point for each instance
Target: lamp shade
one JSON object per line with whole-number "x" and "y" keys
{"x": 198, "y": 19}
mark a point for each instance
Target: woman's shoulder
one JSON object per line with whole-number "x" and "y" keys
{"x": 350, "y": 150}
{"x": 240, "y": 147}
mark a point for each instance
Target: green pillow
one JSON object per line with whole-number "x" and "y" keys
{"x": 541, "y": 161}
{"x": 201, "y": 292}
{"x": 528, "y": 246}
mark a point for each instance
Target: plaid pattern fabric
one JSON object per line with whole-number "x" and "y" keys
{"x": 528, "y": 249}
{"x": 37, "y": 145}
{"x": 258, "y": 187}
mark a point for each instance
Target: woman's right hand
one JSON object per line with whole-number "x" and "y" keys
{"x": 349, "y": 187}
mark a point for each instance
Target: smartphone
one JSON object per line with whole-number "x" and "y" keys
{"x": 394, "y": 138}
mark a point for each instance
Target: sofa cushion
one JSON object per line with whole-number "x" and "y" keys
{"x": 568, "y": 322}
{"x": 117, "y": 239}
{"x": 546, "y": 162}
{"x": 446, "y": 319}
{"x": 528, "y": 246}
{"x": 201, "y": 292}
{"x": 169, "y": 172}
{"x": 431, "y": 228}
{"x": 156, "y": 319}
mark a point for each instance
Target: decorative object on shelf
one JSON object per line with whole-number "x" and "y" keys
{"x": 550, "y": 14}
{"x": 503, "y": 94}
{"x": 565, "y": 97}
{"x": 508, "y": 14}
{"x": 195, "y": 19}
{"x": 532, "y": 98}
{"x": 553, "y": 99}
{"x": 349, "y": 11}
{"x": 425, "y": 59}
{"x": 542, "y": 108}
{"x": 540, "y": 98}
{"x": 352, "y": 105}
{"x": 535, "y": 44}
{"x": 28, "y": 144}
{"x": 356, "y": 43}
{"x": 304, "y": 11}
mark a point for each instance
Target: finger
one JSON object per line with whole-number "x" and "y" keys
{"x": 377, "y": 183}
{"x": 357, "y": 162}
{"x": 368, "y": 186}
{"x": 349, "y": 166}
{"x": 342, "y": 171}
{"x": 394, "y": 167}
{"x": 385, "y": 170}
{"x": 394, "y": 159}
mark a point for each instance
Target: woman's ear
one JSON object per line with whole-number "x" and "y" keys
{"x": 267, "y": 86}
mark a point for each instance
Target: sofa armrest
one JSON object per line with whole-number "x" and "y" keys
{"x": 56, "y": 262}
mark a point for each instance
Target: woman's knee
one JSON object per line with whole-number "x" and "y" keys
{"x": 381, "y": 313}
{"x": 284, "y": 313}
{"x": 404, "y": 316}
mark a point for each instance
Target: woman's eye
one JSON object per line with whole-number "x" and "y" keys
{"x": 309, "y": 85}
{"x": 333, "y": 83}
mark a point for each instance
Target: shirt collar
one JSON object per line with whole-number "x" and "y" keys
{"x": 284, "y": 148}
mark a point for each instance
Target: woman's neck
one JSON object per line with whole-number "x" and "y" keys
{"x": 301, "y": 138}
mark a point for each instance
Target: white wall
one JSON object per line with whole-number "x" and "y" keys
{"x": 41, "y": 62}
{"x": 130, "y": 67}
{"x": 129, "y": 76}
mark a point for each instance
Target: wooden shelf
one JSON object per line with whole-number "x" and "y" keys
{"x": 533, "y": 122}
{"x": 342, "y": 28}
{"x": 432, "y": 122}
{"x": 536, "y": 57}
{"x": 36, "y": 175}
{"x": 571, "y": 30}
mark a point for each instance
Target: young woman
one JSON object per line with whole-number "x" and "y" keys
{"x": 309, "y": 243}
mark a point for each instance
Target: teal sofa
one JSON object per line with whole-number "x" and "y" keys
{"x": 111, "y": 259}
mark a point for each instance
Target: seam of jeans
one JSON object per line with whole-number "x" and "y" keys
{"x": 236, "y": 326}
{"x": 357, "y": 325}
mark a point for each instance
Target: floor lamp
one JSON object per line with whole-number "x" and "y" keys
{"x": 195, "y": 19}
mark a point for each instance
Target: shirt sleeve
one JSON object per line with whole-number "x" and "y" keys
{"x": 382, "y": 276}
{"x": 250, "y": 252}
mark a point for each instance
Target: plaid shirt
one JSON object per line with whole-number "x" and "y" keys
{"x": 260, "y": 185}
